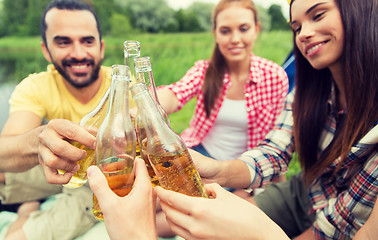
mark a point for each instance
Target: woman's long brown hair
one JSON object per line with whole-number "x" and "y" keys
{"x": 360, "y": 81}
{"x": 213, "y": 82}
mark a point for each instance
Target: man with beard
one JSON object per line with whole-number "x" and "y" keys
{"x": 70, "y": 88}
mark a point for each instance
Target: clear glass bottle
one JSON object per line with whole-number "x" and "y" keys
{"x": 166, "y": 151}
{"x": 144, "y": 75}
{"x": 115, "y": 146}
{"x": 131, "y": 50}
{"x": 92, "y": 122}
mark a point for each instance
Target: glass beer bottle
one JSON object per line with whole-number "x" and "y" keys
{"x": 115, "y": 146}
{"x": 131, "y": 50}
{"x": 91, "y": 122}
{"x": 144, "y": 75}
{"x": 166, "y": 151}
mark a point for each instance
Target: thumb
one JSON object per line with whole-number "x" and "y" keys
{"x": 141, "y": 172}
{"x": 98, "y": 183}
{"x": 214, "y": 190}
{"x": 142, "y": 180}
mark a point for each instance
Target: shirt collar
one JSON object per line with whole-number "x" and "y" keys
{"x": 254, "y": 73}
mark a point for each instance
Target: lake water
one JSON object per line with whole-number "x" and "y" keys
{"x": 5, "y": 92}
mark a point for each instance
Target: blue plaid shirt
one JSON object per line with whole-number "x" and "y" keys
{"x": 342, "y": 202}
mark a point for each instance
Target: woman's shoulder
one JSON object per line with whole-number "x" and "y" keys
{"x": 203, "y": 63}
{"x": 264, "y": 62}
{"x": 266, "y": 65}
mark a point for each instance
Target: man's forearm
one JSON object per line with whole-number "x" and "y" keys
{"x": 20, "y": 152}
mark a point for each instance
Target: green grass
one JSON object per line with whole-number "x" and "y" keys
{"x": 171, "y": 56}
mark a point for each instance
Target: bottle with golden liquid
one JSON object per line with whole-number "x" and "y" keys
{"x": 115, "y": 145}
{"x": 131, "y": 50}
{"x": 91, "y": 122}
{"x": 166, "y": 151}
{"x": 144, "y": 75}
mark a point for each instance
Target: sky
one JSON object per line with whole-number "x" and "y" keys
{"x": 177, "y": 4}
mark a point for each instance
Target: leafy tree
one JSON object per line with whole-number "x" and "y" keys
{"x": 104, "y": 10}
{"x": 150, "y": 16}
{"x": 33, "y": 16}
{"x": 278, "y": 22}
{"x": 187, "y": 21}
{"x": 264, "y": 18}
{"x": 203, "y": 14}
{"x": 120, "y": 25}
{"x": 14, "y": 13}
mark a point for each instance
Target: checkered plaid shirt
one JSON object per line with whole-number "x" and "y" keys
{"x": 342, "y": 202}
{"x": 265, "y": 94}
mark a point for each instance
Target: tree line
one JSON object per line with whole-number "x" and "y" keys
{"x": 119, "y": 17}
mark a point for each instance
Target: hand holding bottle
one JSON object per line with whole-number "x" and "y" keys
{"x": 116, "y": 140}
{"x": 166, "y": 151}
{"x": 91, "y": 122}
{"x": 55, "y": 152}
{"x": 224, "y": 216}
{"x": 133, "y": 215}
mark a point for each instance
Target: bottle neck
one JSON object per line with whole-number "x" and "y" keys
{"x": 147, "y": 108}
{"x": 96, "y": 116}
{"x": 129, "y": 61}
{"x": 119, "y": 96}
{"x": 147, "y": 78}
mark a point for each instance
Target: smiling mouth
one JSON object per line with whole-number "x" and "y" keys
{"x": 236, "y": 49}
{"x": 78, "y": 67}
{"x": 314, "y": 48}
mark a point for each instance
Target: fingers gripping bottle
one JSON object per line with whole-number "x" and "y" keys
{"x": 91, "y": 122}
{"x": 115, "y": 146}
{"x": 166, "y": 151}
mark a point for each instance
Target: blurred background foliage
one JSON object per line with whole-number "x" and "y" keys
{"x": 174, "y": 39}
{"x": 117, "y": 17}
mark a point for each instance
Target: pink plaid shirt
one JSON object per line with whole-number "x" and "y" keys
{"x": 265, "y": 94}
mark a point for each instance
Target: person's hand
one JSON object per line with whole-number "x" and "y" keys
{"x": 55, "y": 152}
{"x": 207, "y": 168}
{"x": 229, "y": 173}
{"x": 225, "y": 216}
{"x": 132, "y": 216}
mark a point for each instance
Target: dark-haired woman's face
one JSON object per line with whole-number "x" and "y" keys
{"x": 318, "y": 31}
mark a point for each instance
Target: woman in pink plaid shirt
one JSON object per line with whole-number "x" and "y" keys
{"x": 239, "y": 95}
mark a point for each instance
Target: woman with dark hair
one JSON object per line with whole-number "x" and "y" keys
{"x": 239, "y": 95}
{"x": 330, "y": 121}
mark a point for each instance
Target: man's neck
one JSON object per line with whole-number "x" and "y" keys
{"x": 84, "y": 95}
